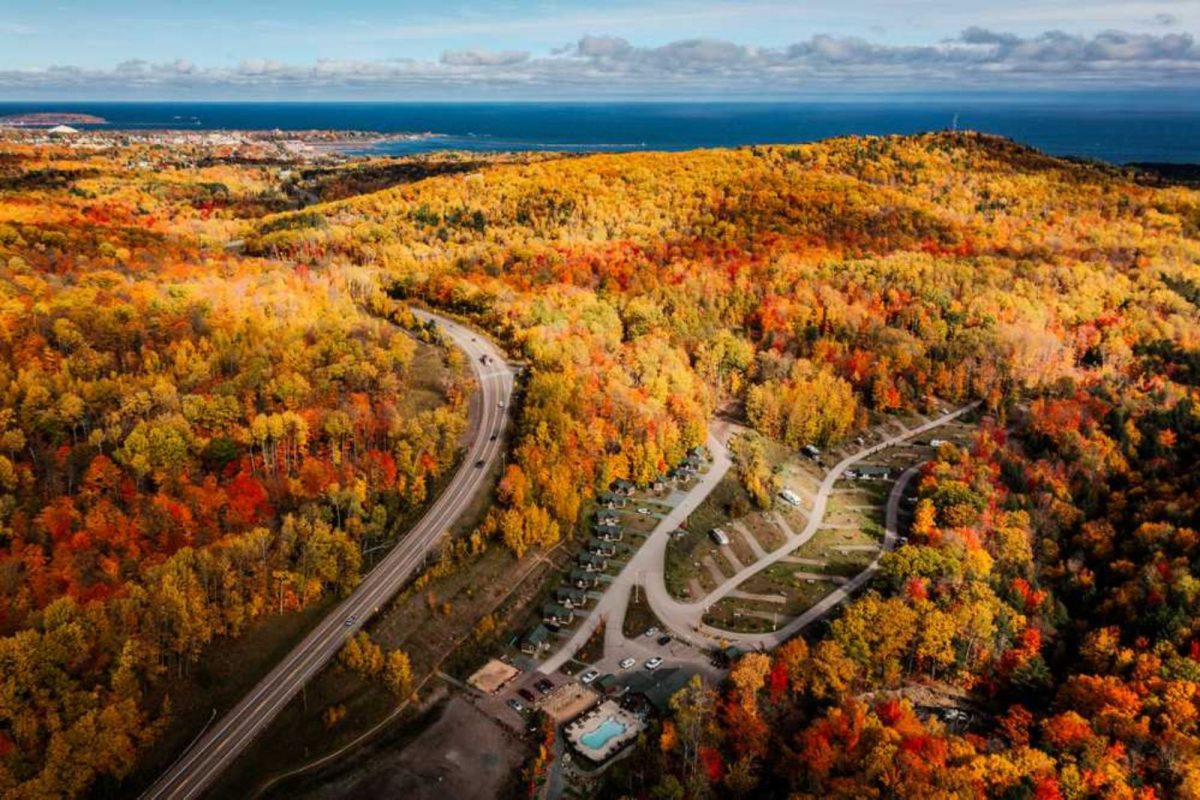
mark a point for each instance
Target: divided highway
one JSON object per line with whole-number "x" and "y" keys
{"x": 221, "y": 744}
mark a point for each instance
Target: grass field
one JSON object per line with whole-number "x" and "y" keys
{"x": 639, "y": 616}
{"x": 727, "y": 499}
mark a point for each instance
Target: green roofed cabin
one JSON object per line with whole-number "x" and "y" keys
{"x": 536, "y": 641}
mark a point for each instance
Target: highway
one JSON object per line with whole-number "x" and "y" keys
{"x": 225, "y": 740}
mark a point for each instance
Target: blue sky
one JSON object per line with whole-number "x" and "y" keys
{"x": 571, "y": 48}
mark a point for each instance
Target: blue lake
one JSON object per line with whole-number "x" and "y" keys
{"x": 1118, "y": 129}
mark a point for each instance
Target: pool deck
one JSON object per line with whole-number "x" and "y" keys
{"x": 631, "y": 723}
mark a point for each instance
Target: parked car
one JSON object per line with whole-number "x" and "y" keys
{"x": 515, "y": 705}
{"x": 643, "y": 510}
{"x": 626, "y": 663}
{"x": 544, "y": 686}
{"x": 653, "y": 663}
{"x": 651, "y": 632}
{"x": 528, "y": 695}
{"x": 664, "y": 640}
{"x": 589, "y": 676}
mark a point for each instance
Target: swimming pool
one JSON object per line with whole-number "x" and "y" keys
{"x": 603, "y": 733}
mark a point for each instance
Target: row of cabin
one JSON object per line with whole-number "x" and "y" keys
{"x": 572, "y": 595}
{"x": 620, "y": 489}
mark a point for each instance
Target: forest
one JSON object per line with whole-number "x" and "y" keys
{"x": 1049, "y": 583}
{"x": 194, "y": 436}
{"x": 189, "y": 441}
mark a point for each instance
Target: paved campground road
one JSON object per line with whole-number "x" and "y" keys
{"x": 687, "y": 618}
{"x": 221, "y": 744}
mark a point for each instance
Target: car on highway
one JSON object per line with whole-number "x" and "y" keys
{"x": 493, "y": 437}
{"x": 589, "y": 676}
{"x": 500, "y": 404}
{"x": 479, "y": 464}
{"x": 626, "y": 663}
{"x": 515, "y": 705}
{"x": 651, "y": 632}
{"x": 654, "y": 663}
{"x": 543, "y": 686}
{"x": 351, "y": 619}
{"x": 664, "y": 640}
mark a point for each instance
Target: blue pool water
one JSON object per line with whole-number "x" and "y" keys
{"x": 604, "y": 733}
{"x": 1112, "y": 127}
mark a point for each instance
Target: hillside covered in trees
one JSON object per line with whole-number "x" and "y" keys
{"x": 194, "y": 436}
{"x": 189, "y": 441}
{"x": 1050, "y": 581}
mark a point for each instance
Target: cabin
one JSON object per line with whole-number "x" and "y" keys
{"x": 659, "y": 483}
{"x": 622, "y": 487}
{"x": 582, "y": 580}
{"x": 591, "y": 562}
{"x": 601, "y": 547}
{"x": 536, "y": 641}
{"x": 609, "y": 533}
{"x": 606, "y": 517}
{"x": 555, "y": 614}
{"x": 610, "y": 500}
{"x": 571, "y": 598}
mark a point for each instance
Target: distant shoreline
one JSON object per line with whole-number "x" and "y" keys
{"x": 49, "y": 119}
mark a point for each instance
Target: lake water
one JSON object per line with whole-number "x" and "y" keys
{"x": 1117, "y": 131}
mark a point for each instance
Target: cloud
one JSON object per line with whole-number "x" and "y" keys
{"x": 595, "y": 65}
{"x": 600, "y": 47}
{"x": 483, "y": 58}
{"x": 16, "y": 29}
{"x": 1166, "y": 20}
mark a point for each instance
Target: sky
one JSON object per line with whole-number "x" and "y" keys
{"x": 572, "y": 49}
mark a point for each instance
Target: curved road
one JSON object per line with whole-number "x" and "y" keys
{"x": 221, "y": 744}
{"x": 826, "y": 603}
{"x": 685, "y": 619}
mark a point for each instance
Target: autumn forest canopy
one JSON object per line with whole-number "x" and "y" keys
{"x": 216, "y": 406}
